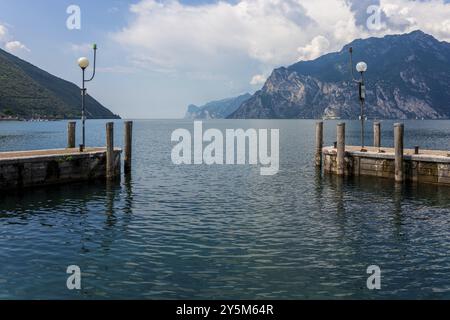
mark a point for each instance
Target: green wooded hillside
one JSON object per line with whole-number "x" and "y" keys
{"x": 29, "y": 92}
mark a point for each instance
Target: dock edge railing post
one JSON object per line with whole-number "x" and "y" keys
{"x": 71, "y": 127}
{"x": 110, "y": 172}
{"x": 377, "y": 134}
{"x": 399, "y": 129}
{"x": 340, "y": 158}
{"x": 319, "y": 144}
{"x": 128, "y": 146}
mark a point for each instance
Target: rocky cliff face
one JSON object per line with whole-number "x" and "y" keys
{"x": 220, "y": 109}
{"x": 408, "y": 78}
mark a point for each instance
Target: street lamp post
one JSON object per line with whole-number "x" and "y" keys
{"x": 83, "y": 63}
{"x": 361, "y": 67}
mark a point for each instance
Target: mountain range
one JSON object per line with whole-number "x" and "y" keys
{"x": 27, "y": 92}
{"x": 216, "y": 109}
{"x": 407, "y": 78}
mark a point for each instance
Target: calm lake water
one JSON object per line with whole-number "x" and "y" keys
{"x": 225, "y": 232}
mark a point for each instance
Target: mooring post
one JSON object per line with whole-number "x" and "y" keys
{"x": 416, "y": 149}
{"x": 319, "y": 143}
{"x": 399, "y": 129}
{"x": 110, "y": 172}
{"x": 377, "y": 135}
{"x": 128, "y": 146}
{"x": 71, "y": 134}
{"x": 340, "y": 158}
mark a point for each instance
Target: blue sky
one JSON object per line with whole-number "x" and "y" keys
{"x": 156, "y": 57}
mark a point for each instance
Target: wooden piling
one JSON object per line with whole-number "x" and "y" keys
{"x": 319, "y": 143}
{"x": 110, "y": 172}
{"x": 71, "y": 126}
{"x": 128, "y": 146}
{"x": 340, "y": 158}
{"x": 398, "y": 146}
{"x": 377, "y": 134}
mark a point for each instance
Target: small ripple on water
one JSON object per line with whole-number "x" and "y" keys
{"x": 226, "y": 232}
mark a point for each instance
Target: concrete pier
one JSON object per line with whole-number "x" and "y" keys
{"x": 47, "y": 167}
{"x": 23, "y": 169}
{"x": 430, "y": 166}
{"x": 399, "y": 164}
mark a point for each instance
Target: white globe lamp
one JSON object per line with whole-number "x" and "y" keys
{"x": 361, "y": 67}
{"x": 83, "y": 62}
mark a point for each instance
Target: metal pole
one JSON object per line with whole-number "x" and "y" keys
{"x": 83, "y": 111}
{"x": 362, "y": 98}
{"x": 362, "y": 124}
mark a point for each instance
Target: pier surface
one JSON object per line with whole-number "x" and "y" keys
{"x": 22, "y": 169}
{"x": 424, "y": 155}
{"x": 47, "y": 153}
{"x": 429, "y": 166}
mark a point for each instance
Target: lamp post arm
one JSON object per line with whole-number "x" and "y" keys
{"x": 350, "y": 50}
{"x": 95, "y": 61}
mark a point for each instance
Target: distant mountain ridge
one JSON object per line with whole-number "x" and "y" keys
{"x": 408, "y": 77}
{"x": 220, "y": 109}
{"x": 29, "y": 92}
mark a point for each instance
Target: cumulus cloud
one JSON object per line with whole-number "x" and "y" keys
{"x": 258, "y": 79}
{"x": 218, "y": 38}
{"x": 16, "y": 46}
{"x": 359, "y": 7}
{"x": 314, "y": 49}
{"x": 81, "y": 48}
{"x": 3, "y": 32}
{"x": 11, "y": 45}
{"x": 171, "y": 35}
{"x": 432, "y": 16}
{"x": 117, "y": 69}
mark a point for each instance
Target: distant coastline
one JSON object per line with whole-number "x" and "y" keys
{"x": 11, "y": 119}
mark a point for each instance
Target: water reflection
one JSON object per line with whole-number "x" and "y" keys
{"x": 199, "y": 232}
{"x": 128, "y": 186}
{"x": 425, "y": 194}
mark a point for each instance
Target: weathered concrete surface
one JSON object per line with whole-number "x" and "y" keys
{"x": 46, "y": 167}
{"x": 429, "y": 166}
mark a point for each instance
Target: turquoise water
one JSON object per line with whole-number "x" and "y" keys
{"x": 225, "y": 232}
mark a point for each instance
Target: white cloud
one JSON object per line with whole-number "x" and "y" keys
{"x": 238, "y": 40}
{"x": 81, "y": 48}
{"x": 9, "y": 43}
{"x": 315, "y": 49}
{"x": 117, "y": 69}
{"x": 432, "y": 16}
{"x": 16, "y": 46}
{"x": 258, "y": 79}
{"x": 170, "y": 35}
{"x": 3, "y": 32}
